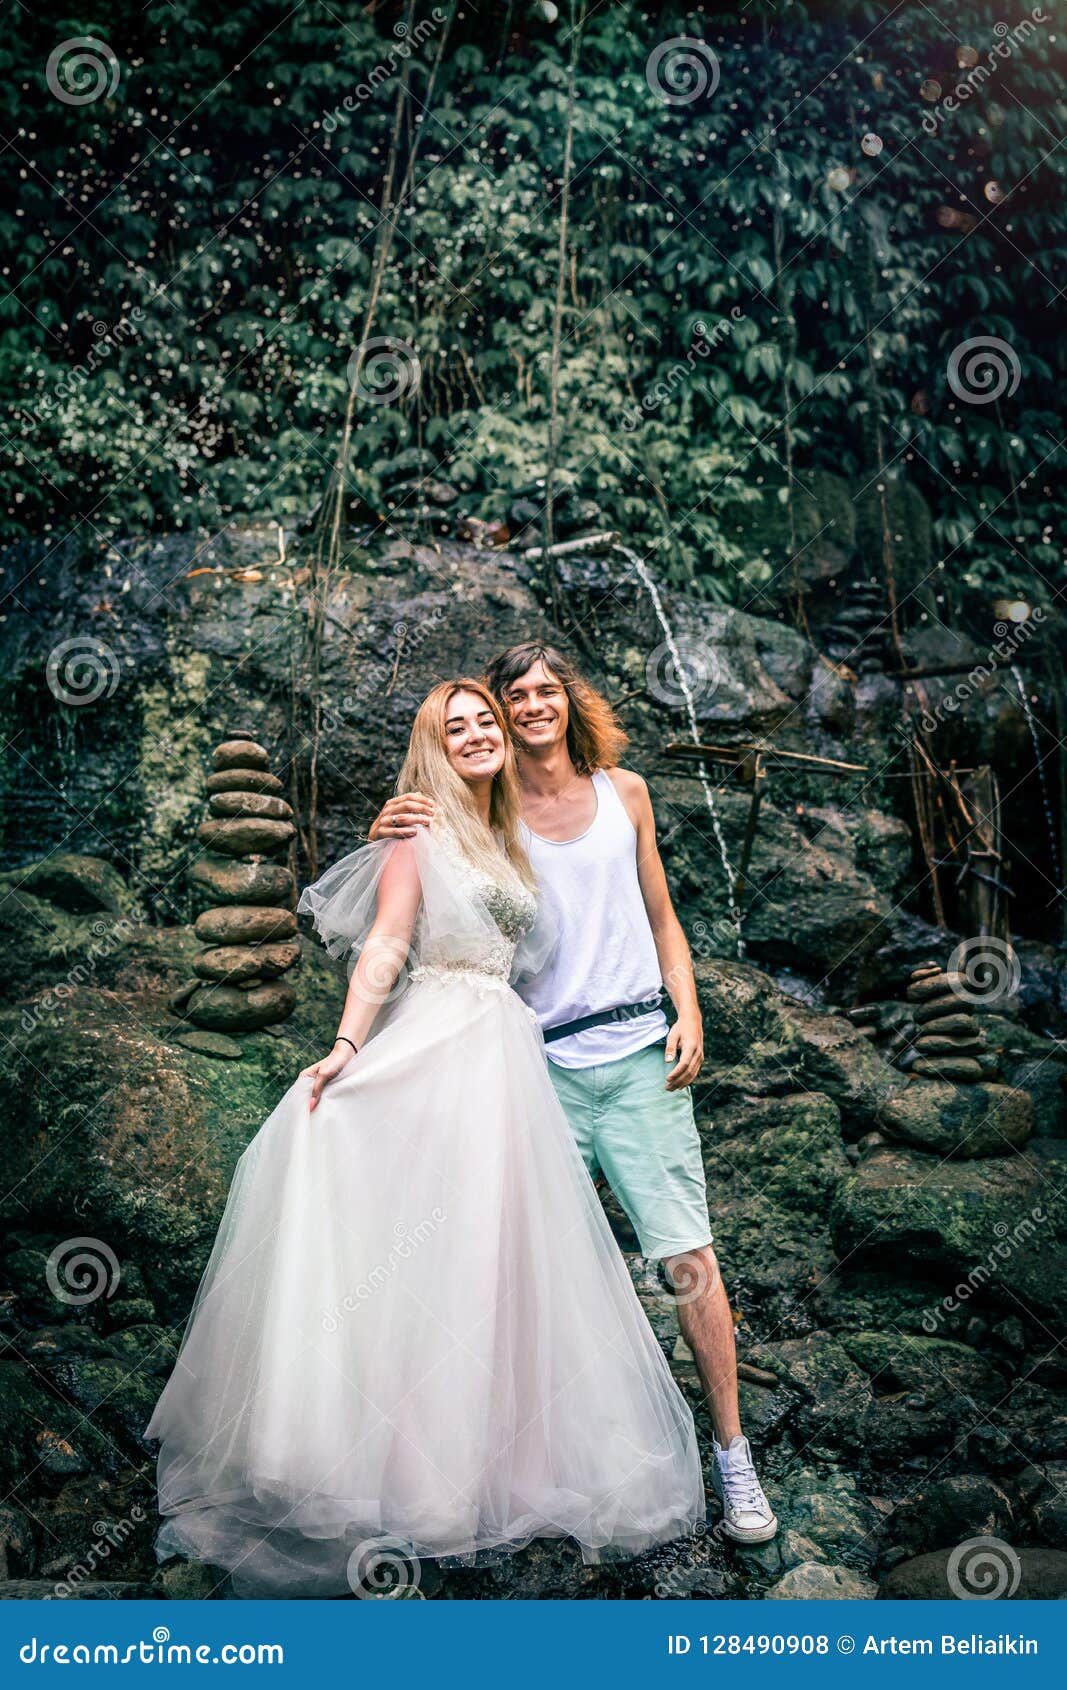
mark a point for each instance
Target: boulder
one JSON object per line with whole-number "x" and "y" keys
{"x": 77, "y": 884}
{"x": 220, "y": 878}
{"x": 773, "y": 1166}
{"x": 259, "y": 804}
{"x": 941, "y": 1514}
{"x": 227, "y": 1009}
{"x": 240, "y": 754}
{"x": 961, "y": 1121}
{"x": 239, "y": 836}
{"x": 869, "y": 1392}
{"x": 244, "y": 924}
{"x": 233, "y": 963}
{"x": 814, "y": 1581}
{"x": 981, "y": 1569}
{"x": 990, "y": 1225}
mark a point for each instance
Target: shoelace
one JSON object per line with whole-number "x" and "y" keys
{"x": 743, "y": 1489}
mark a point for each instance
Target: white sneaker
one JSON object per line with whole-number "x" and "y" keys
{"x": 747, "y": 1516}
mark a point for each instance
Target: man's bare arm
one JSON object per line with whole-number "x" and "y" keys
{"x": 685, "y": 1042}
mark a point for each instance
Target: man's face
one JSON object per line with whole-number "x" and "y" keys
{"x": 537, "y": 709}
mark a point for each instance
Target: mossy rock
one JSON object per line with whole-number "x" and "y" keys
{"x": 911, "y": 531}
{"x": 960, "y": 1121}
{"x": 821, "y": 536}
{"x": 135, "y": 1138}
{"x": 43, "y": 1436}
{"x": 994, "y": 1225}
{"x": 78, "y": 884}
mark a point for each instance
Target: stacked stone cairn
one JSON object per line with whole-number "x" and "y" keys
{"x": 949, "y": 1043}
{"x": 250, "y": 928}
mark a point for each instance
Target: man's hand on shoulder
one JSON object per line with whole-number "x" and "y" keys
{"x": 401, "y": 817}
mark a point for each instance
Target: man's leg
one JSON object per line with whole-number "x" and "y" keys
{"x": 708, "y": 1328}
{"x": 649, "y": 1148}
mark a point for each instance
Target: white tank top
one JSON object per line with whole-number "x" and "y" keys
{"x": 606, "y": 954}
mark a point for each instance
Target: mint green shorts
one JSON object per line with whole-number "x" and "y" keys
{"x": 644, "y": 1140}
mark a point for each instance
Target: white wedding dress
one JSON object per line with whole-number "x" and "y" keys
{"x": 415, "y": 1326}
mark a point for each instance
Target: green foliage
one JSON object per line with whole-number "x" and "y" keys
{"x": 752, "y": 295}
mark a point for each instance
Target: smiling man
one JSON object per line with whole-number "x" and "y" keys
{"x": 621, "y": 1075}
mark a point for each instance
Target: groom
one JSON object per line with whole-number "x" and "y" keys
{"x": 591, "y": 838}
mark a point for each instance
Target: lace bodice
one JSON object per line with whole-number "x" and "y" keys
{"x": 511, "y": 906}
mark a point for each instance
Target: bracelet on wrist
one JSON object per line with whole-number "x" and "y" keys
{"x": 341, "y": 1039}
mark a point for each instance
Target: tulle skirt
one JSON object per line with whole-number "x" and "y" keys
{"x": 416, "y": 1334}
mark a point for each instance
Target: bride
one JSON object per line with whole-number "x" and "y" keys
{"x": 415, "y": 1328}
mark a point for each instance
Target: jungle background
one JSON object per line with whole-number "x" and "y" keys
{"x": 341, "y": 346}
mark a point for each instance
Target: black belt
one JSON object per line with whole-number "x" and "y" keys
{"x": 601, "y": 1018}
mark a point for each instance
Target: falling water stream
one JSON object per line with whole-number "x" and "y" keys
{"x": 641, "y": 571}
{"x": 1045, "y": 799}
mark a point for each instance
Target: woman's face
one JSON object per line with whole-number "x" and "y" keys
{"x": 474, "y": 743}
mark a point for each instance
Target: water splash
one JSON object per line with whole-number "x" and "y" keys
{"x": 641, "y": 570}
{"x": 1039, "y": 760}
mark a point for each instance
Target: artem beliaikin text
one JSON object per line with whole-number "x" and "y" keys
{"x": 1004, "y": 1643}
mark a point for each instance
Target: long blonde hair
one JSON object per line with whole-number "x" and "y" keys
{"x": 427, "y": 769}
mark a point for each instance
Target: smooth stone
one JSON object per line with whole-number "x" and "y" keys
{"x": 240, "y": 754}
{"x": 244, "y": 924}
{"x": 244, "y": 883}
{"x": 964, "y": 1069}
{"x": 244, "y": 780}
{"x": 210, "y": 1044}
{"x": 251, "y": 804}
{"x": 976, "y": 1120}
{"x": 932, "y": 986}
{"x": 986, "y": 1571}
{"x": 939, "y": 1044}
{"x": 235, "y": 963}
{"x": 239, "y": 837}
{"x": 813, "y": 1581}
{"x": 226, "y": 1009}
{"x": 938, "y": 1008}
{"x": 946, "y": 1026}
